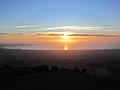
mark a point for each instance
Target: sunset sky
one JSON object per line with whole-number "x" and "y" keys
{"x": 77, "y": 24}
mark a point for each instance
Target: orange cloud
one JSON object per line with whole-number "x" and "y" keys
{"x": 55, "y": 36}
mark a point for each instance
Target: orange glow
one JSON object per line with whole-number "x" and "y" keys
{"x": 60, "y": 40}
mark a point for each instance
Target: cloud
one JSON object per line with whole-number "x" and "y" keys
{"x": 76, "y": 28}
{"x": 75, "y": 34}
{"x": 55, "y": 34}
{"x": 12, "y": 34}
{"x": 96, "y": 35}
{"x": 80, "y": 29}
{"x": 47, "y": 34}
{"x": 4, "y": 33}
{"x": 24, "y": 27}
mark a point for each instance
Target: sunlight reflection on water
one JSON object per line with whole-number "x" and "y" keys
{"x": 65, "y": 47}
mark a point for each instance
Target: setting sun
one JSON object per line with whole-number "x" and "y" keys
{"x": 65, "y": 37}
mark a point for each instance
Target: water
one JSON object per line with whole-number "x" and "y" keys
{"x": 26, "y": 47}
{"x": 56, "y": 47}
{"x": 35, "y": 47}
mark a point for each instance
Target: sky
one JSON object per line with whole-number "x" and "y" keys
{"x": 86, "y": 22}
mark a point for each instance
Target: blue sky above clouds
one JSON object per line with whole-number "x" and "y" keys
{"x": 38, "y": 15}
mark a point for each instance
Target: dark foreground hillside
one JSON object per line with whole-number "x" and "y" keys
{"x": 54, "y": 80}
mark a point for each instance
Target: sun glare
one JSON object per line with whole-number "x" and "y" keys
{"x": 65, "y": 37}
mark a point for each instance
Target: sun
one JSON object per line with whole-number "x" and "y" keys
{"x": 65, "y": 37}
